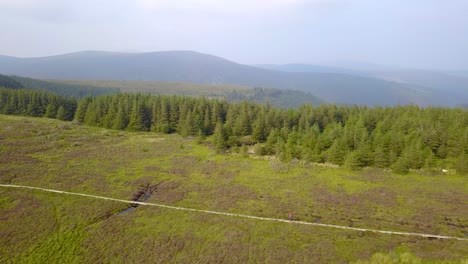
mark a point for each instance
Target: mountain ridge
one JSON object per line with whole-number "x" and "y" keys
{"x": 196, "y": 67}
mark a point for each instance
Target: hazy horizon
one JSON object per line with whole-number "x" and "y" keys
{"x": 419, "y": 34}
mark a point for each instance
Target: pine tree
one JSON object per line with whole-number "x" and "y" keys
{"x": 292, "y": 148}
{"x": 51, "y": 111}
{"x": 110, "y": 116}
{"x": 381, "y": 159}
{"x": 81, "y": 109}
{"x": 173, "y": 114}
{"x": 61, "y": 114}
{"x": 353, "y": 161}
{"x": 136, "y": 120}
{"x": 207, "y": 126}
{"x": 12, "y": 106}
{"x": 400, "y": 166}
{"x": 336, "y": 153}
{"x": 259, "y": 131}
{"x": 270, "y": 147}
{"x": 162, "y": 123}
{"x": 121, "y": 119}
{"x": 91, "y": 115}
{"x": 201, "y": 137}
{"x": 219, "y": 137}
{"x": 186, "y": 127}
{"x": 243, "y": 126}
{"x": 33, "y": 107}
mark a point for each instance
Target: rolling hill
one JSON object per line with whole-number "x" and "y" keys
{"x": 445, "y": 88}
{"x": 300, "y": 67}
{"x": 194, "y": 67}
{"x": 451, "y": 89}
{"x": 63, "y": 89}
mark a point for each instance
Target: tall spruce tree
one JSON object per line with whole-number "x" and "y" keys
{"x": 219, "y": 137}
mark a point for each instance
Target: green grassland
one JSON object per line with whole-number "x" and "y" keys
{"x": 40, "y": 227}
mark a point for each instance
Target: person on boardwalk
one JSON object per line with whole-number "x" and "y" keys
{"x": 290, "y": 216}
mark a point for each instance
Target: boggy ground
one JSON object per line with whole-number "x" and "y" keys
{"x": 38, "y": 227}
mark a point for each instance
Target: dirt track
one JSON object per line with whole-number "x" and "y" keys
{"x": 240, "y": 215}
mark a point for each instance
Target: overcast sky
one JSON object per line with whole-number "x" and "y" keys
{"x": 430, "y": 34}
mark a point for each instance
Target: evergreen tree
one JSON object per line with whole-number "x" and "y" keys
{"x": 33, "y": 107}
{"x": 259, "y": 131}
{"x": 111, "y": 115}
{"x": 12, "y": 106}
{"x": 353, "y": 161}
{"x": 381, "y": 158}
{"x": 207, "y": 125}
{"x": 51, "y": 111}
{"x": 81, "y": 109}
{"x": 61, "y": 113}
{"x": 173, "y": 114}
{"x": 292, "y": 149}
{"x": 201, "y": 137}
{"x": 219, "y": 138}
{"x": 162, "y": 123}
{"x": 91, "y": 116}
{"x": 401, "y": 166}
{"x": 186, "y": 127}
{"x": 335, "y": 154}
{"x": 243, "y": 126}
{"x": 121, "y": 119}
{"x": 270, "y": 147}
{"x": 137, "y": 117}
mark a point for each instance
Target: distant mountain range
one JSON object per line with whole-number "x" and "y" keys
{"x": 296, "y": 67}
{"x": 334, "y": 85}
{"x": 450, "y": 87}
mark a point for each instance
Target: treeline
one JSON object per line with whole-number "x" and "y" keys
{"x": 401, "y": 138}
{"x": 36, "y": 103}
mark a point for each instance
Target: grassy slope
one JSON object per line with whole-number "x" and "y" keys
{"x": 42, "y": 227}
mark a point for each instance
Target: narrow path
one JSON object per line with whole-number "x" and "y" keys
{"x": 240, "y": 215}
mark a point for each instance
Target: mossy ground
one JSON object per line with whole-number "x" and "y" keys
{"x": 38, "y": 227}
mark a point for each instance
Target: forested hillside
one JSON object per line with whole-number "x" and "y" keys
{"x": 232, "y": 93}
{"x": 402, "y": 138}
{"x": 63, "y": 89}
{"x": 195, "y": 67}
{"x": 8, "y": 82}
